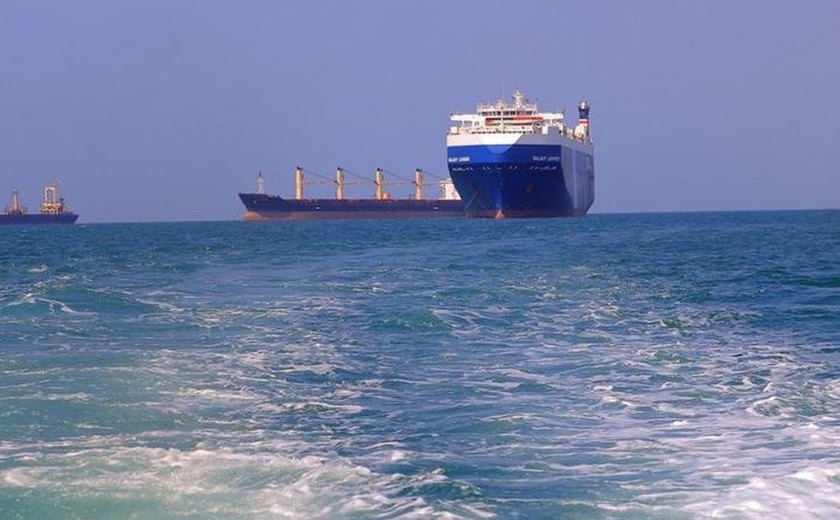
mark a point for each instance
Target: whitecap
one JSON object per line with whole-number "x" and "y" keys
{"x": 397, "y": 455}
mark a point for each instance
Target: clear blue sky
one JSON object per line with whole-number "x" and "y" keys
{"x": 164, "y": 110}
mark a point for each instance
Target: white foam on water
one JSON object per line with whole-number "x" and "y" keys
{"x": 609, "y": 397}
{"x": 52, "y": 304}
{"x": 476, "y": 512}
{"x": 214, "y": 394}
{"x": 772, "y": 405}
{"x": 811, "y": 492}
{"x": 514, "y": 417}
{"x": 463, "y": 323}
{"x": 832, "y": 389}
{"x": 23, "y": 476}
{"x": 308, "y": 405}
{"x": 397, "y": 455}
{"x": 74, "y": 397}
{"x": 346, "y": 393}
{"x": 213, "y": 318}
{"x": 166, "y": 307}
{"x": 236, "y": 484}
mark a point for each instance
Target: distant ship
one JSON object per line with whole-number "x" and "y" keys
{"x": 53, "y": 210}
{"x": 510, "y": 160}
{"x": 262, "y": 206}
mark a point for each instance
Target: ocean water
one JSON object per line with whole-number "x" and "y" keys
{"x": 662, "y": 366}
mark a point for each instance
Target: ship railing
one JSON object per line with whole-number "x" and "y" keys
{"x": 501, "y": 106}
{"x": 501, "y": 129}
{"x": 566, "y": 131}
{"x": 507, "y": 128}
{"x": 504, "y": 130}
{"x": 506, "y": 113}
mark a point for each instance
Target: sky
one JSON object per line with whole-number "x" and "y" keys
{"x": 164, "y": 110}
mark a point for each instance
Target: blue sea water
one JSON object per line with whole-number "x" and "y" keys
{"x": 663, "y": 366}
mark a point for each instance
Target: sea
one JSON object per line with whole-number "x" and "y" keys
{"x": 616, "y": 366}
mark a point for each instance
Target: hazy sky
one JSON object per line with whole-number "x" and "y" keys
{"x": 165, "y": 110}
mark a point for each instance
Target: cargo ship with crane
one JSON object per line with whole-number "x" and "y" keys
{"x": 53, "y": 210}
{"x": 508, "y": 159}
{"x": 262, "y": 206}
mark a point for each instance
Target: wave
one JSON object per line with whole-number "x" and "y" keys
{"x": 232, "y": 483}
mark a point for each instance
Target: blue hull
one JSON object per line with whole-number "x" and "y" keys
{"x": 522, "y": 180}
{"x": 38, "y": 219}
{"x": 272, "y": 207}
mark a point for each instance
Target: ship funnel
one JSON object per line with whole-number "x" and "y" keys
{"x": 582, "y": 130}
{"x": 583, "y": 112}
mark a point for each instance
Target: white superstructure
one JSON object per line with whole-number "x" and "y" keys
{"x": 518, "y": 122}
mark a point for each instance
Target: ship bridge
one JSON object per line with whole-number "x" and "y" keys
{"x": 521, "y": 116}
{"x": 521, "y": 107}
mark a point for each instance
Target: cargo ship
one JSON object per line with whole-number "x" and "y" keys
{"x": 510, "y": 160}
{"x": 53, "y": 210}
{"x": 262, "y": 206}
